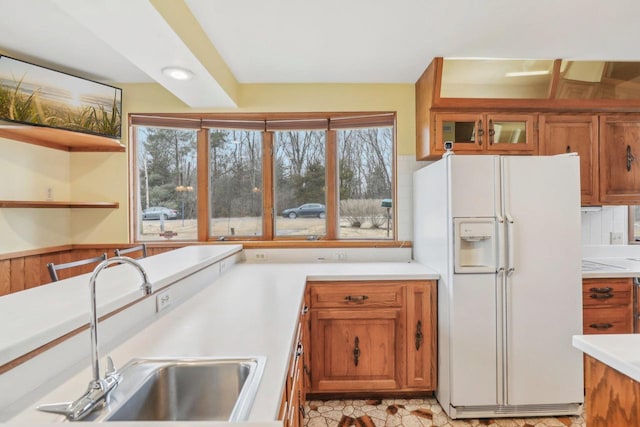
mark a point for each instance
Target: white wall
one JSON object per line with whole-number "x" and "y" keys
{"x": 26, "y": 173}
{"x": 406, "y": 165}
{"x": 599, "y": 223}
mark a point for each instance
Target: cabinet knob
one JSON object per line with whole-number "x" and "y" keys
{"x": 568, "y": 148}
{"x": 601, "y": 325}
{"x": 630, "y": 158}
{"x": 419, "y": 337}
{"x": 601, "y": 296}
{"x": 601, "y": 290}
{"x": 357, "y": 299}
{"x": 480, "y": 132}
{"x": 356, "y": 351}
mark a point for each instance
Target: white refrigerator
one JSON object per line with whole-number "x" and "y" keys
{"x": 504, "y": 234}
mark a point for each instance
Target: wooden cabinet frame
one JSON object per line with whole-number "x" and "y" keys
{"x": 372, "y": 337}
{"x": 483, "y": 138}
{"x": 574, "y": 133}
{"x": 607, "y": 306}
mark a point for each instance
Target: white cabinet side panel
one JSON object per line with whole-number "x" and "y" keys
{"x": 432, "y": 247}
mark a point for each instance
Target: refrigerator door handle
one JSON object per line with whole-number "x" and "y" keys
{"x": 510, "y": 245}
{"x": 500, "y": 245}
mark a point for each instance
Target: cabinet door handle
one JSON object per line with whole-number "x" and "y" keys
{"x": 299, "y": 350}
{"x": 630, "y": 158}
{"x": 480, "y": 132}
{"x": 601, "y": 290}
{"x": 601, "y": 325}
{"x": 491, "y": 132}
{"x": 357, "y": 299}
{"x": 601, "y": 296}
{"x": 306, "y": 370}
{"x": 568, "y": 148}
{"x": 356, "y": 351}
{"x": 419, "y": 336}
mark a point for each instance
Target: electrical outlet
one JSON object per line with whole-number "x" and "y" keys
{"x": 340, "y": 256}
{"x": 260, "y": 256}
{"x": 615, "y": 238}
{"x": 163, "y": 300}
{"x": 49, "y": 194}
{"x": 224, "y": 264}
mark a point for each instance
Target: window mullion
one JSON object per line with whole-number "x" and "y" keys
{"x": 203, "y": 187}
{"x": 268, "y": 217}
{"x": 332, "y": 185}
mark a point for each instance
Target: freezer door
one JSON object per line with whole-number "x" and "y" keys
{"x": 543, "y": 291}
{"x": 474, "y": 186}
{"x": 473, "y": 356}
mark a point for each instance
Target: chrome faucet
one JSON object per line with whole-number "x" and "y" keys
{"x": 99, "y": 389}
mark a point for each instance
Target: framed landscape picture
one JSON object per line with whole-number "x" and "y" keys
{"x": 40, "y": 96}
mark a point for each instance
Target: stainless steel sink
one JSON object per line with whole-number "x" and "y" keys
{"x": 184, "y": 390}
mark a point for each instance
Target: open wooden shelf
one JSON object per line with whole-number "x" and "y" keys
{"x": 59, "y": 139}
{"x": 47, "y": 204}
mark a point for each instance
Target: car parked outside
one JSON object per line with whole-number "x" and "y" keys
{"x": 306, "y": 210}
{"x": 156, "y": 212}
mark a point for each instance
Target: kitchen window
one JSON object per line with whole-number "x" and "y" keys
{"x": 166, "y": 185}
{"x": 366, "y": 182}
{"x": 235, "y": 183}
{"x": 300, "y": 183}
{"x": 267, "y": 177}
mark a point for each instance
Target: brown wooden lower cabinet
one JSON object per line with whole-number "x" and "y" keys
{"x": 607, "y": 306}
{"x": 372, "y": 336}
{"x": 293, "y": 397}
{"x": 612, "y": 398}
{"x": 357, "y": 350}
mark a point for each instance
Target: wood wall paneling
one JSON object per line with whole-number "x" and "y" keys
{"x": 26, "y": 270}
{"x": 5, "y": 277}
{"x": 17, "y": 275}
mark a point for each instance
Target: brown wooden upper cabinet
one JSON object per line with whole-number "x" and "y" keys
{"x": 607, "y": 145}
{"x": 620, "y": 159}
{"x": 478, "y": 133}
{"x": 577, "y": 133}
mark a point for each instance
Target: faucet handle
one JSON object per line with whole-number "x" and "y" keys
{"x": 111, "y": 368}
{"x": 111, "y": 375}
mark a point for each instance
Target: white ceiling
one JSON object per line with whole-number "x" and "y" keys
{"x": 305, "y": 41}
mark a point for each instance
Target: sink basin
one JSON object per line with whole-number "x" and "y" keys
{"x": 185, "y": 390}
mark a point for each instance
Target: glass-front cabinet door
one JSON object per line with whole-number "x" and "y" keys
{"x": 466, "y": 131}
{"x": 511, "y": 133}
{"x": 477, "y": 133}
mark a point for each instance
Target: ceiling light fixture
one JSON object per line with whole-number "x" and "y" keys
{"x": 177, "y": 73}
{"x": 527, "y": 73}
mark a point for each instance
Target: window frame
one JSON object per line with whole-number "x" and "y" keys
{"x": 202, "y": 122}
{"x": 631, "y": 225}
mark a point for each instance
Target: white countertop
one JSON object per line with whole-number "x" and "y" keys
{"x": 252, "y": 310}
{"x": 32, "y": 318}
{"x": 609, "y": 261}
{"x": 610, "y": 267}
{"x": 619, "y": 351}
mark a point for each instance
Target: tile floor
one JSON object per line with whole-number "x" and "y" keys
{"x": 410, "y": 413}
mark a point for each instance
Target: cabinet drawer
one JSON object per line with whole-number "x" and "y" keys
{"x": 617, "y": 320}
{"x": 598, "y": 292}
{"x": 351, "y": 295}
